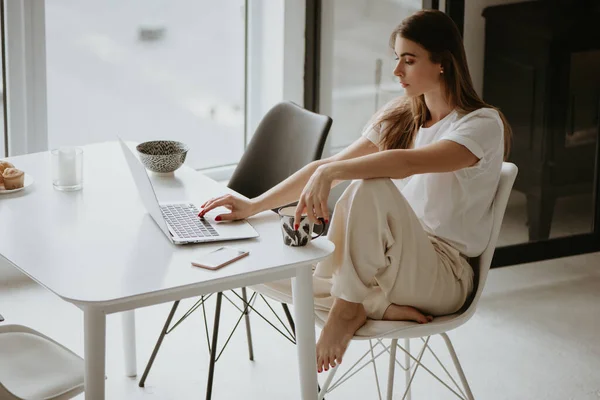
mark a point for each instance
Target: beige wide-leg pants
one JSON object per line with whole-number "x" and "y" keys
{"x": 383, "y": 256}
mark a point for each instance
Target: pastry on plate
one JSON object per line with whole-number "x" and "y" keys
{"x": 3, "y": 166}
{"x": 13, "y": 178}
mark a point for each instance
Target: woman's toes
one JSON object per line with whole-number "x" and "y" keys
{"x": 330, "y": 363}
{"x": 429, "y": 318}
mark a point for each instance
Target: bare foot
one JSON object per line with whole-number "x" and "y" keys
{"x": 405, "y": 313}
{"x": 344, "y": 320}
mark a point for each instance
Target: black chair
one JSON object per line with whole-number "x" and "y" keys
{"x": 287, "y": 138}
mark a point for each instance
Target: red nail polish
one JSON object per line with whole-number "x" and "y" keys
{"x": 200, "y": 214}
{"x": 218, "y": 218}
{"x": 326, "y": 221}
{"x": 296, "y": 227}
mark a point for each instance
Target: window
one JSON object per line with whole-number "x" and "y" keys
{"x": 3, "y": 136}
{"x": 147, "y": 70}
{"x": 357, "y": 63}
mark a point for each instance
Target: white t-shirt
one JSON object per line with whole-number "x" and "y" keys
{"x": 457, "y": 206}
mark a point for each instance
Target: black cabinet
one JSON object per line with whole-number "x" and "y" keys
{"x": 542, "y": 69}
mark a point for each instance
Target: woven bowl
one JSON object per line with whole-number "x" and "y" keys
{"x": 162, "y": 155}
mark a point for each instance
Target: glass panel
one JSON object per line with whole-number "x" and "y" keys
{"x": 363, "y": 63}
{"x": 556, "y": 200}
{"x": 148, "y": 69}
{"x": 554, "y": 131}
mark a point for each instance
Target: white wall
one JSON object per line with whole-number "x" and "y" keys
{"x": 474, "y": 37}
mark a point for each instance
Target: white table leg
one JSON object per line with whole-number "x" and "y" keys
{"x": 129, "y": 343}
{"x": 302, "y": 289}
{"x": 94, "y": 352}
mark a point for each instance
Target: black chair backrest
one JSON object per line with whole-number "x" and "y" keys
{"x": 287, "y": 138}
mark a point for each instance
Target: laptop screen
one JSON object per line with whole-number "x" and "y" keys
{"x": 145, "y": 189}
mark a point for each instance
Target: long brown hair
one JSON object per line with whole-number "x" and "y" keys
{"x": 400, "y": 119}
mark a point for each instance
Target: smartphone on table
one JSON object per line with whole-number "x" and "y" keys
{"x": 219, "y": 258}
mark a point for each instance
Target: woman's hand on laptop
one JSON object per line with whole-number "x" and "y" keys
{"x": 240, "y": 208}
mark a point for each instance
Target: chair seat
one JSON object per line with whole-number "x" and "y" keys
{"x": 33, "y": 367}
{"x": 400, "y": 329}
{"x": 380, "y": 329}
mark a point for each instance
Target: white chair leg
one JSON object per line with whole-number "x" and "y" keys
{"x": 457, "y": 365}
{"x": 407, "y": 361}
{"x": 325, "y": 387}
{"x": 391, "y": 369}
{"x": 375, "y": 369}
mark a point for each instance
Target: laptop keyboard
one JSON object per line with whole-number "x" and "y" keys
{"x": 184, "y": 220}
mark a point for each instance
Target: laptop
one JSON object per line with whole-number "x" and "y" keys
{"x": 179, "y": 221}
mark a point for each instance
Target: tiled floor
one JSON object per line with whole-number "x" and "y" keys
{"x": 534, "y": 336}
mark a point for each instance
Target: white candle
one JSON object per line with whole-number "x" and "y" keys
{"x": 67, "y": 167}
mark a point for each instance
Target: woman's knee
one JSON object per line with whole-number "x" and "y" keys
{"x": 367, "y": 188}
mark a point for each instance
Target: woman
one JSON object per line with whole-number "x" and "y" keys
{"x": 425, "y": 172}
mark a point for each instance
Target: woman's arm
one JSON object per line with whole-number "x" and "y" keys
{"x": 442, "y": 156}
{"x": 289, "y": 190}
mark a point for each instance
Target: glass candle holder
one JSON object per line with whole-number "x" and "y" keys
{"x": 67, "y": 168}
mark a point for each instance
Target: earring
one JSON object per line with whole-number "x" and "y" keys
{"x": 441, "y": 71}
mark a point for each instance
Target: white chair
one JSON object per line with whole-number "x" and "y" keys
{"x": 379, "y": 330}
{"x": 33, "y": 366}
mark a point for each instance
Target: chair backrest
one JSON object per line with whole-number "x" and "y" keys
{"x": 58, "y": 373}
{"x": 482, "y": 266}
{"x": 287, "y": 138}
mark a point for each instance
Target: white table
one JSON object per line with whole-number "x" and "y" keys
{"x": 98, "y": 249}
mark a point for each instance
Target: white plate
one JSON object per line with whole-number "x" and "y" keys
{"x": 28, "y": 182}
